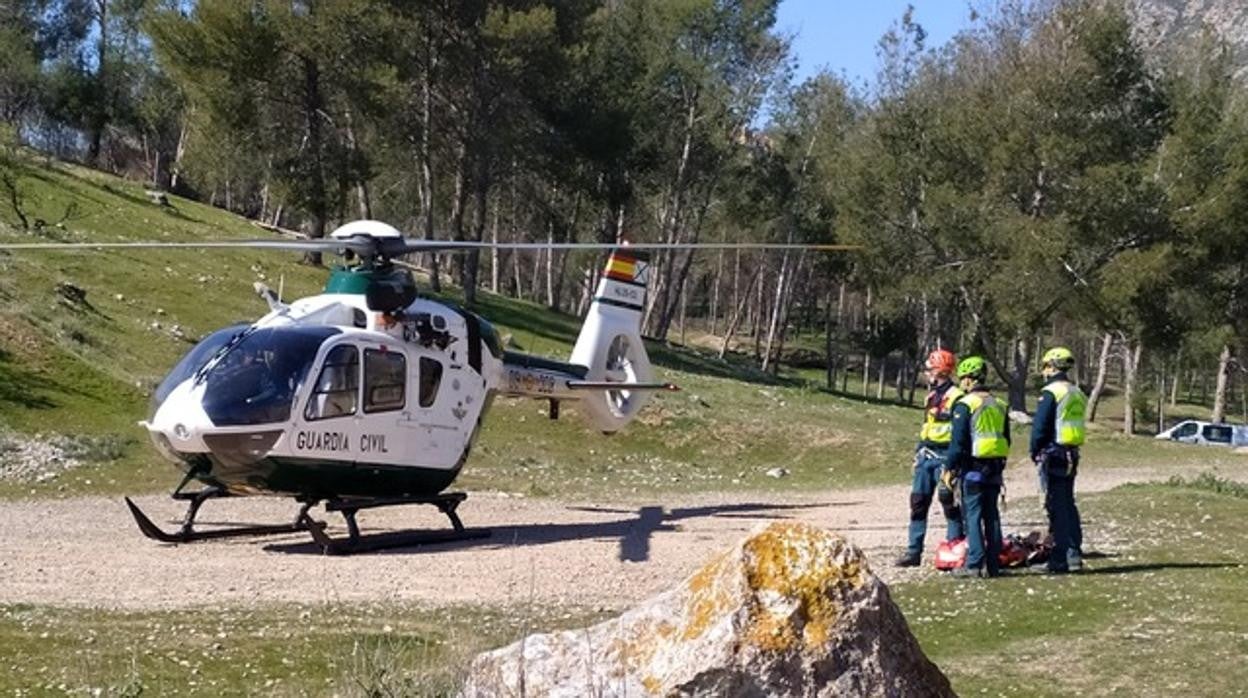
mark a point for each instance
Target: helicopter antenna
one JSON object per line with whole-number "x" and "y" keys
{"x": 281, "y": 285}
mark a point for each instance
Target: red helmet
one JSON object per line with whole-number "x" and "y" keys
{"x": 941, "y": 361}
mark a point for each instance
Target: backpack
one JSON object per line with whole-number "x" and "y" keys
{"x": 951, "y": 554}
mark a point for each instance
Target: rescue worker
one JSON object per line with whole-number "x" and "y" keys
{"x": 976, "y": 463}
{"x": 1056, "y": 435}
{"x": 929, "y": 457}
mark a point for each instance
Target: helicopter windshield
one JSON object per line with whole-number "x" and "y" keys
{"x": 194, "y": 360}
{"x": 256, "y": 380}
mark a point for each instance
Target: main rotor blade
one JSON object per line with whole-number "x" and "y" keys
{"x": 362, "y": 246}
{"x": 453, "y": 245}
{"x": 393, "y": 247}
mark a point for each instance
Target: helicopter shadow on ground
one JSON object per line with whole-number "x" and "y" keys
{"x": 634, "y": 532}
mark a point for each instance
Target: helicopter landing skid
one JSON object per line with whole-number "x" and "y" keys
{"x": 188, "y": 534}
{"x": 356, "y": 543}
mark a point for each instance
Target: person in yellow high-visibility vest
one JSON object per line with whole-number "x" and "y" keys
{"x": 929, "y": 457}
{"x": 1057, "y": 432}
{"x": 976, "y": 462}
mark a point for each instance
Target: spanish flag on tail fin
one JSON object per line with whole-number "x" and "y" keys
{"x": 624, "y": 281}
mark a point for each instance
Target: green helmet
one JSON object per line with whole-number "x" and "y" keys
{"x": 974, "y": 367}
{"x": 1060, "y": 358}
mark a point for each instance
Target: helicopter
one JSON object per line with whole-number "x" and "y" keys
{"x": 369, "y": 395}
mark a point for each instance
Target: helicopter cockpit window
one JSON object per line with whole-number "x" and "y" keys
{"x": 430, "y": 379}
{"x": 338, "y": 386}
{"x": 194, "y": 360}
{"x": 255, "y": 378}
{"x": 385, "y": 374}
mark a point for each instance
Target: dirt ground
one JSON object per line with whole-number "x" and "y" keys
{"x": 607, "y": 555}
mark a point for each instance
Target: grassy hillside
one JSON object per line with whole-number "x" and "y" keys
{"x": 78, "y": 372}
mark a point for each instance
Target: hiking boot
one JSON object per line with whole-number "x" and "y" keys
{"x": 1074, "y": 563}
{"x": 908, "y": 560}
{"x": 1057, "y": 570}
{"x": 966, "y": 573}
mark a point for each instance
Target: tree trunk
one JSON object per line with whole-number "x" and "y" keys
{"x": 318, "y": 203}
{"x": 1130, "y": 362}
{"x": 901, "y": 379}
{"x": 719, "y": 272}
{"x": 786, "y": 308}
{"x": 1174, "y": 380}
{"x": 494, "y": 258}
{"x": 1161, "y": 398}
{"x": 361, "y": 187}
{"x": 866, "y": 373}
{"x": 472, "y": 261}
{"x": 676, "y": 283}
{"x": 1219, "y": 392}
{"x": 459, "y": 203}
{"x": 99, "y": 109}
{"x": 757, "y": 312}
{"x": 175, "y": 167}
{"x": 426, "y": 152}
{"x": 549, "y": 275}
{"x": 827, "y": 341}
{"x": 1102, "y": 368}
{"x": 684, "y": 304}
{"x": 879, "y": 386}
{"x": 777, "y": 301}
{"x": 569, "y": 235}
{"x": 1018, "y": 377}
{"x": 737, "y": 314}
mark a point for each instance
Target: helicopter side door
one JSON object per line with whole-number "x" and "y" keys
{"x": 360, "y": 407}
{"x": 428, "y": 418}
{"x": 329, "y": 419}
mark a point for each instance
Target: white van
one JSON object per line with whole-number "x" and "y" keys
{"x": 1206, "y": 433}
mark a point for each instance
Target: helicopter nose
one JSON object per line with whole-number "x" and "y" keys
{"x": 181, "y": 420}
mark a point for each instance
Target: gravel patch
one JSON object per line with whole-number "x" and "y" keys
{"x": 34, "y": 459}
{"x": 602, "y": 555}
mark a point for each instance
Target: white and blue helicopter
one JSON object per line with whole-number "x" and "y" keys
{"x": 369, "y": 395}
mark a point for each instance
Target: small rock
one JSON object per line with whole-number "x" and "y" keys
{"x": 778, "y": 473}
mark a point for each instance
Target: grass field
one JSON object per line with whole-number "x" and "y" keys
{"x": 1162, "y": 615}
{"x": 278, "y": 651}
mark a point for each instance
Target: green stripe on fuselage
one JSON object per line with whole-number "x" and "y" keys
{"x": 324, "y": 479}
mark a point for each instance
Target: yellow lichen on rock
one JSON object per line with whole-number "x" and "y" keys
{"x": 707, "y": 598}
{"x": 634, "y": 648}
{"x": 797, "y": 564}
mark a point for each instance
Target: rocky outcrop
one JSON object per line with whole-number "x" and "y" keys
{"x": 792, "y": 610}
{"x": 1166, "y": 26}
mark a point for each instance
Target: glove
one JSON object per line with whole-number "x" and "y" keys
{"x": 949, "y": 479}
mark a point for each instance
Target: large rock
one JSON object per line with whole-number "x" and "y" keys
{"x": 792, "y": 610}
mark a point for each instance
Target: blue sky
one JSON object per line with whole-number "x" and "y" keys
{"x": 842, "y": 34}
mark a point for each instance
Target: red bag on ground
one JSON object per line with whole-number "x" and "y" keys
{"x": 1013, "y": 553}
{"x": 951, "y": 554}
